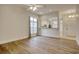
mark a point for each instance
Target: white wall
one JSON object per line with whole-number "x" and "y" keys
{"x": 77, "y": 25}
{"x": 77, "y": 31}
{"x": 14, "y": 23}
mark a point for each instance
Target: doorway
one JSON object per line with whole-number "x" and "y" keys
{"x": 33, "y": 26}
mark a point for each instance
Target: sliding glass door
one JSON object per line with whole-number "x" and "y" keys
{"x": 33, "y": 26}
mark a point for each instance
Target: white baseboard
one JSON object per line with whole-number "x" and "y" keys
{"x": 10, "y": 40}
{"x": 70, "y": 38}
{"x": 62, "y": 37}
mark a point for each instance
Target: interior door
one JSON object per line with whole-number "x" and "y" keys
{"x": 69, "y": 27}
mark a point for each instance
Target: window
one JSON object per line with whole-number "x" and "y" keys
{"x": 33, "y": 25}
{"x": 54, "y": 22}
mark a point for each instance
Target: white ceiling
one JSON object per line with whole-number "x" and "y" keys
{"x": 48, "y": 8}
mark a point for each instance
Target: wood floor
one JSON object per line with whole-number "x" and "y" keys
{"x": 40, "y": 45}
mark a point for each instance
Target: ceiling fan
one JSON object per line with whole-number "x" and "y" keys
{"x": 34, "y": 7}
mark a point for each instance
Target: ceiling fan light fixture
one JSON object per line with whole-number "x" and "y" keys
{"x": 31, "y": 8}
{"x": 35, "y": 8}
